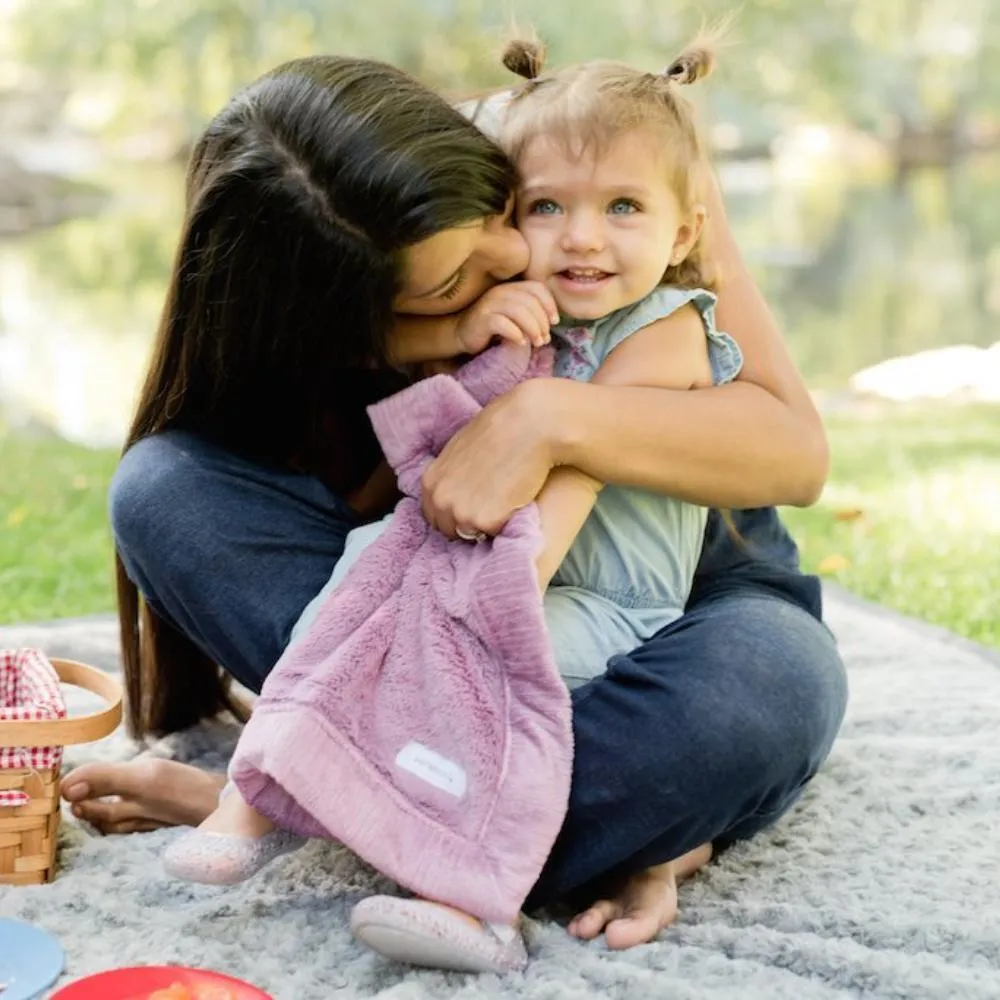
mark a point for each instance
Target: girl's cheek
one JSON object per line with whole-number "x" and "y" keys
{"x": 537, "y": 254}
{"x": 539, "y": 263}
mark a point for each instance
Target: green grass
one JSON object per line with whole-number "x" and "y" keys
{"x": 55, "y": 547}
{"x": 909, "y": 519}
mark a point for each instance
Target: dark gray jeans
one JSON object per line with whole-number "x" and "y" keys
{"x": 707, "y": 732}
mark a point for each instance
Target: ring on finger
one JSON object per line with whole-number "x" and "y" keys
{"x": 471, "y": 536}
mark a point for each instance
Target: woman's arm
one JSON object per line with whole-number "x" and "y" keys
{"x": 755, "y": 442}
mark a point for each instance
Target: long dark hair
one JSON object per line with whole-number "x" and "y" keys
{"x": 302, "y": 195}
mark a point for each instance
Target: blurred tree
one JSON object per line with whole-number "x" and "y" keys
{"x": 899, "y": 68}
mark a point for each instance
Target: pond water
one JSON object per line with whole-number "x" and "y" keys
{"x": 858, "y": 270}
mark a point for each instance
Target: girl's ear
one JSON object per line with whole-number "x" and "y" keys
{"x": 688, "y": 234}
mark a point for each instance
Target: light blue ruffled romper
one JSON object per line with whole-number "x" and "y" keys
{"x": 629, "y": 571}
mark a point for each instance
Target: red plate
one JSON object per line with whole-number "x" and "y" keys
{"x": 138, "y": 982}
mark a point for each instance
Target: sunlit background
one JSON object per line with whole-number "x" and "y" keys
{"x": 859, "y": 147}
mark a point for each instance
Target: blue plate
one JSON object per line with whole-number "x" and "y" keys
{"x": 30, "y": 960}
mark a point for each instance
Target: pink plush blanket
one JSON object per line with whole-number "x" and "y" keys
{"x": 421, "y": 719}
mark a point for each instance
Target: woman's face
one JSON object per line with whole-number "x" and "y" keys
{"x": 451, "y": 269}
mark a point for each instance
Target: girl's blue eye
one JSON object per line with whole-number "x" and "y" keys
{"x": 623, "y": 206}
{"x": 544, "y": 206}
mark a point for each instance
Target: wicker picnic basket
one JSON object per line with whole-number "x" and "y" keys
{"x": 29, "y": 832}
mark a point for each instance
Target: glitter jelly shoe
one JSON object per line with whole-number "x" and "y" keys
{"x": 222, "y": 859}
{"x": 422, "y": 933}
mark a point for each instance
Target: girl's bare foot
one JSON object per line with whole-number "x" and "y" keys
{"x": 645, "y": 905}
{"x": 141, "y": 795}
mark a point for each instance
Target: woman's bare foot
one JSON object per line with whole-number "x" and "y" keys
{"x": 141, "y": 795}
{"x": 645, "y": 905}
{"x": 235, "y": 818}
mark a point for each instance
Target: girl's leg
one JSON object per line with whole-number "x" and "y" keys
{"x": 229, "y": 553}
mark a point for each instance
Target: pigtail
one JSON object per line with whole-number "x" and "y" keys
{"x": 699, "y": 57}
{"x": 525, "y": 58}
{"x": 695, "y": 63}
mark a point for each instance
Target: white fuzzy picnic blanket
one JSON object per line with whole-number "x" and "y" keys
{"x": 882, "y": 883}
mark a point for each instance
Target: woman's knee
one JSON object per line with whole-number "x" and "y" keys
{"x": 787, "y": 685}
{"x": 755, "y": 678}
{"x": 799, "y": 656}
{"x": 786, "y": 707}
{"x": 153, "y": 498}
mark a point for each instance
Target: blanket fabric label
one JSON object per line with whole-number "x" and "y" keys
{"x": 430, "y": 766}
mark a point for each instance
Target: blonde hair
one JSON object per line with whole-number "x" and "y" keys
{"x": 590, "y": 105}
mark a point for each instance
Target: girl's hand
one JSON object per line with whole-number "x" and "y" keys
{"x": 493, "y": 466}
{"x": 519, "y": 311}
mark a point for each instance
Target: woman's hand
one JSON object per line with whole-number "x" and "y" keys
{"x": 494, "y": 465}
{"x": 518, "y": 311}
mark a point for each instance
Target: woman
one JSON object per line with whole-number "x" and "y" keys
{"x": 330, "y": 195}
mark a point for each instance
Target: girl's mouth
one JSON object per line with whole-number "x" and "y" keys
{"x": 583, "y": 277}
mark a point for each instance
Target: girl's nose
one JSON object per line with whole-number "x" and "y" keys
{"x": 583, "y": 234}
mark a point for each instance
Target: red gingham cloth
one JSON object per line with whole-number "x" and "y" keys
{"x": 29, "y": 690}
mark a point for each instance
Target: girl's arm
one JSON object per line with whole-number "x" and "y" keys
{"x": 668, "y": 354}
{"x": 755, "y": 442}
